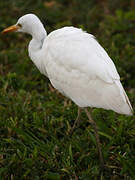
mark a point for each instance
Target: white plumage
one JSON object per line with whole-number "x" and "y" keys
{"x": 76, "y": 65}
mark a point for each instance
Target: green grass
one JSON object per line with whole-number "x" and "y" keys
{"x": 35, "y": 119}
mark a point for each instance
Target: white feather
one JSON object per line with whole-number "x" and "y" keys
{"x": 77, "y": 66}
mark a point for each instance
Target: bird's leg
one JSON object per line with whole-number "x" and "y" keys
{"x": 77, "y": 121}
{"x": 97, "y": 136}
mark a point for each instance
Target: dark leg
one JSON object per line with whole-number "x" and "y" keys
{"x": 77, "y": 121}
{"x": 97, "y": 137}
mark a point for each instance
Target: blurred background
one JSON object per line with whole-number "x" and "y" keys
{"x": 112, "y": 22}
{"x": 29, "y": 107}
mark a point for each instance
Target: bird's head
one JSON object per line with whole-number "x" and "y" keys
{"x": 28, "y": 23}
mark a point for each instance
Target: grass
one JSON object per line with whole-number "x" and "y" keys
{"x": 35, "y": 119}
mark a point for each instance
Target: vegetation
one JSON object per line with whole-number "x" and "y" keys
{"x": 35, "y": 119}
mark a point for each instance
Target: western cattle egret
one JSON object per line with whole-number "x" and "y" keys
{"x": 77, "y": 66}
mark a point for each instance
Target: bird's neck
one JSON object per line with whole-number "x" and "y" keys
{"x": 35, "y": 47}
{"x": 37, "y": 41}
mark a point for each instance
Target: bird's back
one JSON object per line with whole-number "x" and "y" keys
{"x": 81, "y": 69}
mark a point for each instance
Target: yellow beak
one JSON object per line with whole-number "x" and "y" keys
{"x": 10, "y": 29}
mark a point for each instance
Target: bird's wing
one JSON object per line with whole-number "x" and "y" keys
{"x": 81, "y": 69}
{"x": 74, "y": 49}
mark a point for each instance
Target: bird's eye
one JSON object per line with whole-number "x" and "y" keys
{"x": 19, "y": 25}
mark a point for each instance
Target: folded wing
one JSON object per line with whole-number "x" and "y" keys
{"x": 80, "y": 68}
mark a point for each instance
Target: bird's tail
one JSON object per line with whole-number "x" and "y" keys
{"x": 126, "y": 107}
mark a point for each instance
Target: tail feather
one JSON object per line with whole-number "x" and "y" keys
{"x": 126, "y": 107}
{"x": 114, "y": 97}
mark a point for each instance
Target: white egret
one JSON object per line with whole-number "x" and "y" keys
{"x": 77, "y": 66}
